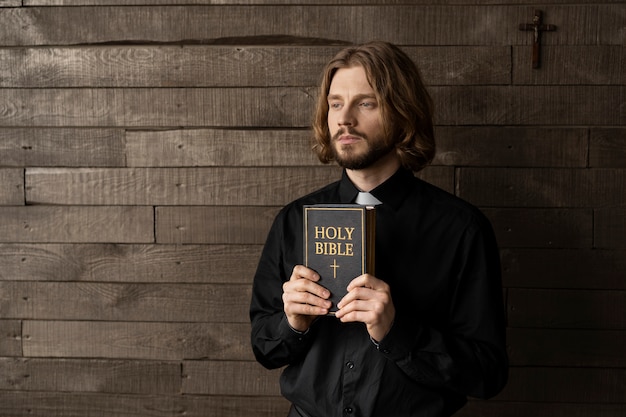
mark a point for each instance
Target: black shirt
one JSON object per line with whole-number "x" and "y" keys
{"x": 439, "y": 256}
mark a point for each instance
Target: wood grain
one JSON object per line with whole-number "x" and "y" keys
{"x": 229, "y": 378}
{"x": 511, "y": 146}
{"x": 159, "y": 107}
{"x": 87, "y": 375}
{"x": 129, "y": 263}
{"x": 567, "y": 309}
{"x": 125, "y": 302}
{"x": 472, "y": 25}
{"x": 72, "y": 224}
{"x": 175, "y": 186}
{"x": 214, "y": 225}
{"x": 227, "y": 66}
{"x": 567, "y": 65}
{"x": 563, "y": 348}
{"x": 607, "y": 148}
{"x": 11, "y": 187}
{"x": 564, "y": 268}
{"x": 280, "y": 107}
{"x": 542, "y": 228}
{"x": 50, "y": 404}
{"x": 40, "y": 147}
{"x": 220, "y": 147}
{"x": 565, "y": 385}
{"x": 494, "y": 408}
{"x": 610, "y": 227}
{"x": 11, "y": 337}
{"x": 543, "y": 187}
{"x": 137, "y": 340}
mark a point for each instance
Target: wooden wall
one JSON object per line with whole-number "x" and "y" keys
{"x": 145, "y": 146}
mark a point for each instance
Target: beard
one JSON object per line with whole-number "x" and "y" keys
{"x": 348, "y": 157}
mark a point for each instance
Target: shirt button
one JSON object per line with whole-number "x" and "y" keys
{"x": 348, "y": 410}
{"x": 350, "y": 365}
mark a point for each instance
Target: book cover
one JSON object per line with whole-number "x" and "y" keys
{"x": 339, "y": 244}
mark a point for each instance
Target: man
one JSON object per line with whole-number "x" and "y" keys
{"x": 428, "y": 330}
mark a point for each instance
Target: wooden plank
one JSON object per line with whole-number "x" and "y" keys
{"x": 227, "y": 66}
{"x": 10, "y": 337}
{"x": 542, "y": 228}
{"x": 229, "y": 378}
{"x": 471, "y": 25}
{"x": 567, "y": 309}
{"x": 292, "y": 107}
{"x": 41, "y": 147}
{"x": 494, "y": 408}
{"x": 137, "y": 340}
{"x": 566, "y": 385}
{"x": 218, "y": 147}
{"x": 51, "y": 224}
{"x": 64, "y": 404}
{"x": 610, "y": 228}
{"x": 258, "y": 148}
{"x": 511, "y": 146}
{"x": 564, "y": 268}
{"x": 567, "y": 348}
{"x": 249, "y": 225}
{"x": 125, "y": 302}
{"x": 439, "y": 176}
{"x": 162, "y": 107}
{"x": 214, "y": 225}
{"x": 209, "y": 264}
{"x": 542, "y": 187}
{"x": 88, "y": 375}
{"x": 174, "y": 186}
{"x": 607, "y": 148}
{"x": 189, "y": 186}
{"x": 10, "y": 3}
{"x": 530, "y": 105}
{"x": 571, "y": 65}
{"x": 268, "y": 2}
{"x": 11, "y": 187}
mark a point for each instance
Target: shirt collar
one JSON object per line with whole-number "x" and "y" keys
{"x": 391, "y": 192}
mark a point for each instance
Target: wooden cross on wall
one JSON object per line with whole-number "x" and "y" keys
{"x": 537, "y": 27}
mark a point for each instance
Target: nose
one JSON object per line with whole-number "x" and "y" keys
{"x": 346, "y": 118}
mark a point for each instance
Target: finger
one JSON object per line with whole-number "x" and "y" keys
{"x": 356, "y": 293}
{"x": 367, "y": 281}
{"x": 304, "y": 304}
{"x": 303, "y": 285}
{"x": 304, "y": 297}
{"x": 301, "y": 271}
{"x": 354, "y": 316}
{"x": 304, "y": 310}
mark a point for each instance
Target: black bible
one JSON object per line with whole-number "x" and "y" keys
{"x": 339, "y": 244}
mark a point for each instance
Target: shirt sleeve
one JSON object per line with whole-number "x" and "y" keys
{"x": 274, "y": 342}
{"x": 468, "y": 354}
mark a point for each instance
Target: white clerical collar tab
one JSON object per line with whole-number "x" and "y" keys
{"x": 367, "y": 199}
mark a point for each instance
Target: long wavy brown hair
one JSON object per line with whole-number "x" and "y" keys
{"x": 405, "y": 105}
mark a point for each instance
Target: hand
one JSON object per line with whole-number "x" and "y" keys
{"x": 303, "y": 298}
{"x": 368, "y": 301}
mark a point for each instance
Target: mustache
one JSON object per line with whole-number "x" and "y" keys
{"x": 351, "y": 132}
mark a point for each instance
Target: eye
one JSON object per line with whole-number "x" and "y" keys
{"x": 334, "y": 105}
{"x": 368, "y": 104}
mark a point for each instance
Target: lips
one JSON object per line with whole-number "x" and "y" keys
{"x": 348, "y": 139}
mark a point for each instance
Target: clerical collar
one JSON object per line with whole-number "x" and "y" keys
{"x": 392, "y": 192}
{"x": 367, "y": 199}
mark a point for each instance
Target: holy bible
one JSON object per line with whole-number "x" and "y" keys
{"x": 339, "y": 244}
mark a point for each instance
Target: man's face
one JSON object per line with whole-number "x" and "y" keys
{"x": 354, "y": 120}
